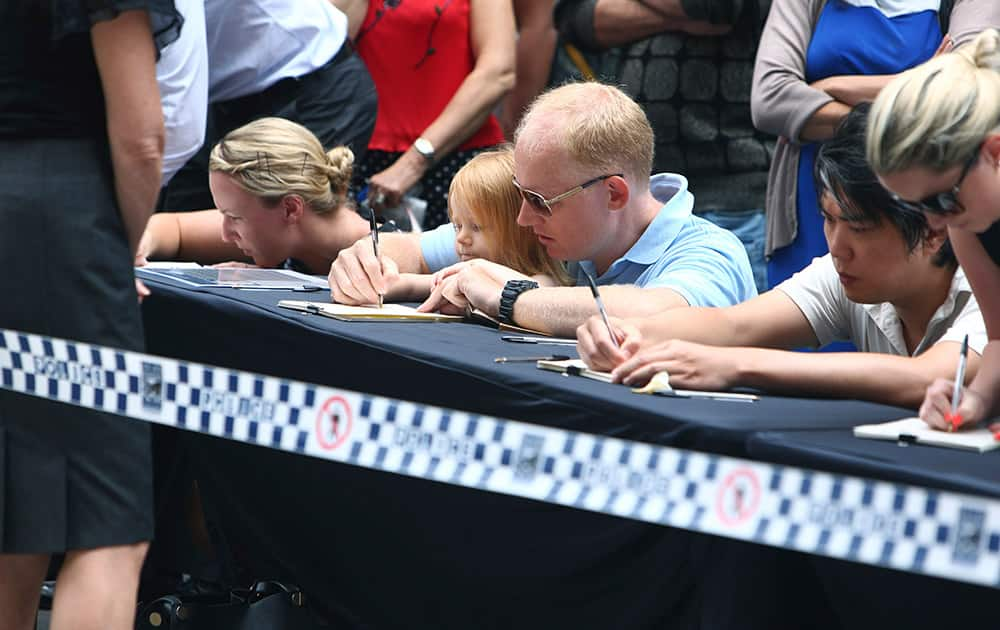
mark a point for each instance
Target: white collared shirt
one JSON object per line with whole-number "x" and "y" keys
{"x": 253, "y": 44}
{"x": 818, "y": 293}
{"x": 182, "y": 74}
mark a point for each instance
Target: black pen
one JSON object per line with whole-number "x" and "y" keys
{"x": 374, "y": 228}
{"x": 556, "y": 341}
{"x": 551, "y": 357}
{"x": 600, "y": 306}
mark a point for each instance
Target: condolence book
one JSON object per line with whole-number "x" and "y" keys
{"x": 234, "y": 277}
{"x": 368, "y": 313}
{"x": 916, "y": 431}
{"x": 396, "y": 313}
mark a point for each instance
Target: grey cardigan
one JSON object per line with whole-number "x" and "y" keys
{"x": 781, "y": 101}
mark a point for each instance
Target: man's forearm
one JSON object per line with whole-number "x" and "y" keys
{"x": 559, "y": 310}
{"x": 620, "y": 22}
{"x": 871, "y": 376}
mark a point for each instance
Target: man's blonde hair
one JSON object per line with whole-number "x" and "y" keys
{"x": 936, "y": 115}
{"x": 601, "y": 128}
{"x": 485, "y": 187}
{"x": 274, "y": 157}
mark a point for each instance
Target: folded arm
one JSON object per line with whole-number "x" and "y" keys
{"x": 781, "y": 101}
{"x": 601, "y": 24}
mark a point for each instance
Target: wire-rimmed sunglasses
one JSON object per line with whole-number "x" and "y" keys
{"x": 943, "y": 203}
{"x": 543, "y": 206}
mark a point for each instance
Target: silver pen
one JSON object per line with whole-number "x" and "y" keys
{"x": 956, "y": 392}
{"x": 600, "y": 306}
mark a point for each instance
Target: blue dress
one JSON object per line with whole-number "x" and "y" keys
{"x": 849, "y": 40}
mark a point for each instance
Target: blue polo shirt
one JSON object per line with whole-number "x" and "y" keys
{"x": 705, "y": 264}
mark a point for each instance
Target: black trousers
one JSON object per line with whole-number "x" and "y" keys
{"x": 337, "y": 102}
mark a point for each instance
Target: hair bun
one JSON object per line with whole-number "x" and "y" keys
{"x": 340, "y": 162}
{"x": 985, "y": 50}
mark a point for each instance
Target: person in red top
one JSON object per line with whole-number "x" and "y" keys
{"x": 440, "y": 67}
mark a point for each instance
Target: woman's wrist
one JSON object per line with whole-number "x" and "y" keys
{"x": 413, "y": 165}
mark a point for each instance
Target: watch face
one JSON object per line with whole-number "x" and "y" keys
{"x": 424, "y": 147}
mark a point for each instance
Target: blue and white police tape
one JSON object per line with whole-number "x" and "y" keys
{"x": 909, "y": 528}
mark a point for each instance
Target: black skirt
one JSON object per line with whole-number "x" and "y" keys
{"x": 69, "y": 478}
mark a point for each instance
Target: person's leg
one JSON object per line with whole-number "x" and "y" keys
{"x": 21, "y": 578}
{"x": 97, "y": 588}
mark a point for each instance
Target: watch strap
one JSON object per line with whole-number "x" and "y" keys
{"x": 511, "y": 291}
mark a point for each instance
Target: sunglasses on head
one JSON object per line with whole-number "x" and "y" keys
{"x": 543, "y": 206}
{"x": 942, "y": 203}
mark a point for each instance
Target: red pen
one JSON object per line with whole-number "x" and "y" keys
{"x": 954, "y": 421}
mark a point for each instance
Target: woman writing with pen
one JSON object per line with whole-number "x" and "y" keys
{"x": 934, "y": 141}
{"x": 281, "y": 199}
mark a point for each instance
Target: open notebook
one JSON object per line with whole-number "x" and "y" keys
{"x": 395, "y": 313}
{"x": 660, "y": 385}
{"x": 916, "y": 431}
{"x": 368, "y": 313}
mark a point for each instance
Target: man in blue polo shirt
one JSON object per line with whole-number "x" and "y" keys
{"x": 582, "y": 156}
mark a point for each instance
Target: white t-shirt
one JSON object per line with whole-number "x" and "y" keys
{"x": 182, "y": 74}
{"x": 253, "y": 44}
{"x": 818, "y": 293}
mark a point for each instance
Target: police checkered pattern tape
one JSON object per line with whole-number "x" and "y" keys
{"x": 909, "y": 528}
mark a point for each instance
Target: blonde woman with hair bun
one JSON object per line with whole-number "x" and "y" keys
{"x": 934, "y": 141}
{"x": 281, "y": 199}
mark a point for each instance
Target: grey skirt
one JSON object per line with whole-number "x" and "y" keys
{"x": 69, "y": 478}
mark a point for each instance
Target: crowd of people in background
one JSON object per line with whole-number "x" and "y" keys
{"x": 685, "y": 154}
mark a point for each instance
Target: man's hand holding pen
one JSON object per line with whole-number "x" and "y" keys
{"x": 596, "y": 346}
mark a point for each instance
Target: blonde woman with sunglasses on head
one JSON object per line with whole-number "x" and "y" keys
{"x": 934, "y": 141}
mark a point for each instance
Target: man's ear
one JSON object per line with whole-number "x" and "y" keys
{"x": 935, "y": 239}
{"x": 619, "y": 191}
{"x": 293, "y": 207}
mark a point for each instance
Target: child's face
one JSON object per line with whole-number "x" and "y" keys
{"x": 470, "y": 238}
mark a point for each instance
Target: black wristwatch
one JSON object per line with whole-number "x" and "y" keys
{"x": 509, "y": 295}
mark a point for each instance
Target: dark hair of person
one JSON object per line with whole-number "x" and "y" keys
{"x": 842, "y": 170}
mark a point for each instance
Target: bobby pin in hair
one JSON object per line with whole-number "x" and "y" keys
{"x": 267, "y": 163}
